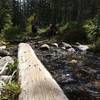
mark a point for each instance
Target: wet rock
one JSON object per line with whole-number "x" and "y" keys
{"x": 71, "y": 50}
{"x": 2, "y": 47}
{"x": 73, "y": 61}
{"x": 77, "y": 43}
{"x": 68, "y": 75}
{"x": 69, "y": 81}
{"x": 45, "y": 47}
{"x": 4, "y": 53}
{"x": 66, "y": 45}
{"x": 55, "y": 45}
{"x": 64, "y": 48}
{"x": 82, "y": 47}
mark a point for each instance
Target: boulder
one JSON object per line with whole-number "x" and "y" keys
{"x": 66, "y": 45}
{"x": 71, "y": 50}
{"x": 2, "y": 47}
{"x": 77, "y": 43}
{"x": 55, "y": 45}
{"x": 73, "y": 61}
{"x": 81, "y": 47}
{"x": 64, "y": 48}
{"x": 45, "y": 47}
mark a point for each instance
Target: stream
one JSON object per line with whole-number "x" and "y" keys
{"x": 78, "y": 73}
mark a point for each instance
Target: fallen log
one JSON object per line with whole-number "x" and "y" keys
{"x": 35, "y": 81}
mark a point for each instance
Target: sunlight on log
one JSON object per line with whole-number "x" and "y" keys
{"x": 36, "y": 82}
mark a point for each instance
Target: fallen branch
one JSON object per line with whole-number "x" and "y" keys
{"x": 4, "y": 68}
{"x": 12, "y": 76}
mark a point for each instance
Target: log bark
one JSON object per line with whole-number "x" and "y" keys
{"x": 36, "y": 82}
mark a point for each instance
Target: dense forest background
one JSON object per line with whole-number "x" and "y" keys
{"x": 77, "y": 20}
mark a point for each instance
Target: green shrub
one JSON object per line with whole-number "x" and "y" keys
{"x": 11, "y": 33}
{"x": 8, "y": 31}
{"x": 64, "y": 27}
{"x": 74, "y": 26}
{"x": 70, "y": 26}
{"x": 72, "y": 32}
{"x": 91, "y": 29}
{"x": 29, "y": 23}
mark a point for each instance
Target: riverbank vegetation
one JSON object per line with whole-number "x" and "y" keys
{"x": 10, "y": 88}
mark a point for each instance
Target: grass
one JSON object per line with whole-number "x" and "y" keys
{"x": 12, "y": 67}
{"x": 10, "y": 91}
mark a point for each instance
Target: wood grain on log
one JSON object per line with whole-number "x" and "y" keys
{"x": 36, "y": 82}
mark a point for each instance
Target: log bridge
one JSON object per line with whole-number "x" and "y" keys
{"x": 35, "y": 81}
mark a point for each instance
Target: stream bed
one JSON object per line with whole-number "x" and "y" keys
{"x": 78, "y": 73}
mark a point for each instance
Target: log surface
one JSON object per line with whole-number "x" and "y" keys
{"x": 36, "y": 82}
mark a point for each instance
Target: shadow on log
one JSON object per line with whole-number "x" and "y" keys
{"x": 36, "y": 82}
